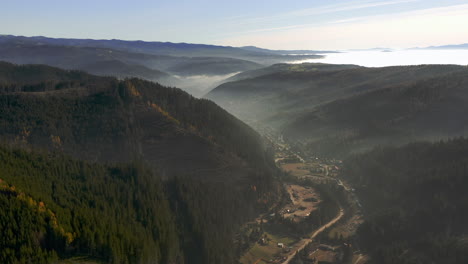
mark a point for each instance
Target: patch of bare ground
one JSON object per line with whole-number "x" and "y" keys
{"x": 304, "y": 201}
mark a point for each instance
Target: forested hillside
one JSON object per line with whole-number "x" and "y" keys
{"x": 18, "y": 75}
{"x": 54, "y": 206}
{"x": 429, "y": 109}
{"x": 131, "y": 115}
{"x": 414, "y": 199}
{"x": 284, "y": 93}
{"x": 203, "y": 155}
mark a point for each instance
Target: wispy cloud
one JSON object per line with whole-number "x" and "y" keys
{"x": 351, "y": 6}
{"x": 354, "y": 5}
{"x": 266, "y": 23}
{"x": 430, "y": 26}
{"x": 435, "y": 12}
{"x": 349, "y": 20}
{"x": 327, "y": 9}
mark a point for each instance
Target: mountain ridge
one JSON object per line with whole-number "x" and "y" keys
{"x": 158, "y": 48}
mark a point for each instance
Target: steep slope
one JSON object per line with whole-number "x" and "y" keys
{"x": 414, "y": 198}
{"x": 428, "y": 109}
{"x": 56, "y": 207}
{"x": 278, "y": 97}
{"x": 106, "y": 119}
{"x": 207, "y": 156}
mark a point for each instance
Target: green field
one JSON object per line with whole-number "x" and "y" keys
{"x": 269, "y": 251}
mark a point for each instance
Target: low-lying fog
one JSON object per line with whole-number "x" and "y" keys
{"x": 395, "y": 58}
{"x": 199, "y": 85}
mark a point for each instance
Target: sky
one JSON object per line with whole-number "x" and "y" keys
{"x": 273, "y": 24}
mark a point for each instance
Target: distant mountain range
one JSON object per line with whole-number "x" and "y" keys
{"x": 287, "y": 52}
{"x": 446, "y": 47}
{"x": 168, "y": 63}
{"x": 155, "y": 48}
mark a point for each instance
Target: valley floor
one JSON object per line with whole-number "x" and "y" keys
{"x": 279, "y": 245}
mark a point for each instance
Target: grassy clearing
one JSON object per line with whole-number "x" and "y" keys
{"x": 269, "y": 251}
{"x": 281, "y": 238}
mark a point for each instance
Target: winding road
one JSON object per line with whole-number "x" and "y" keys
{"x": 306, "y": 241}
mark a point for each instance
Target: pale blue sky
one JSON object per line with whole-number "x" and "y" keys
{"x": 312, "y": 24}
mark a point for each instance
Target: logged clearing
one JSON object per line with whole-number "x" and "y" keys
{"x": 304, "y": 201}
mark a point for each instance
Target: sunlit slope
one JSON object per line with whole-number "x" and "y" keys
{"x": 278, "y": 97}
{"x": 430, "y": 109}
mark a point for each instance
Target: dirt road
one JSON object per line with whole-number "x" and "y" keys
{"x": 306, "y": 241}
{"x": 358, "y": 260}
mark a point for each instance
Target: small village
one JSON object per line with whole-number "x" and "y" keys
{"x": 277, "y": 246}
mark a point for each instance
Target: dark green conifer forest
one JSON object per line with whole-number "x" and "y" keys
{"x": 414, "y": 198}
